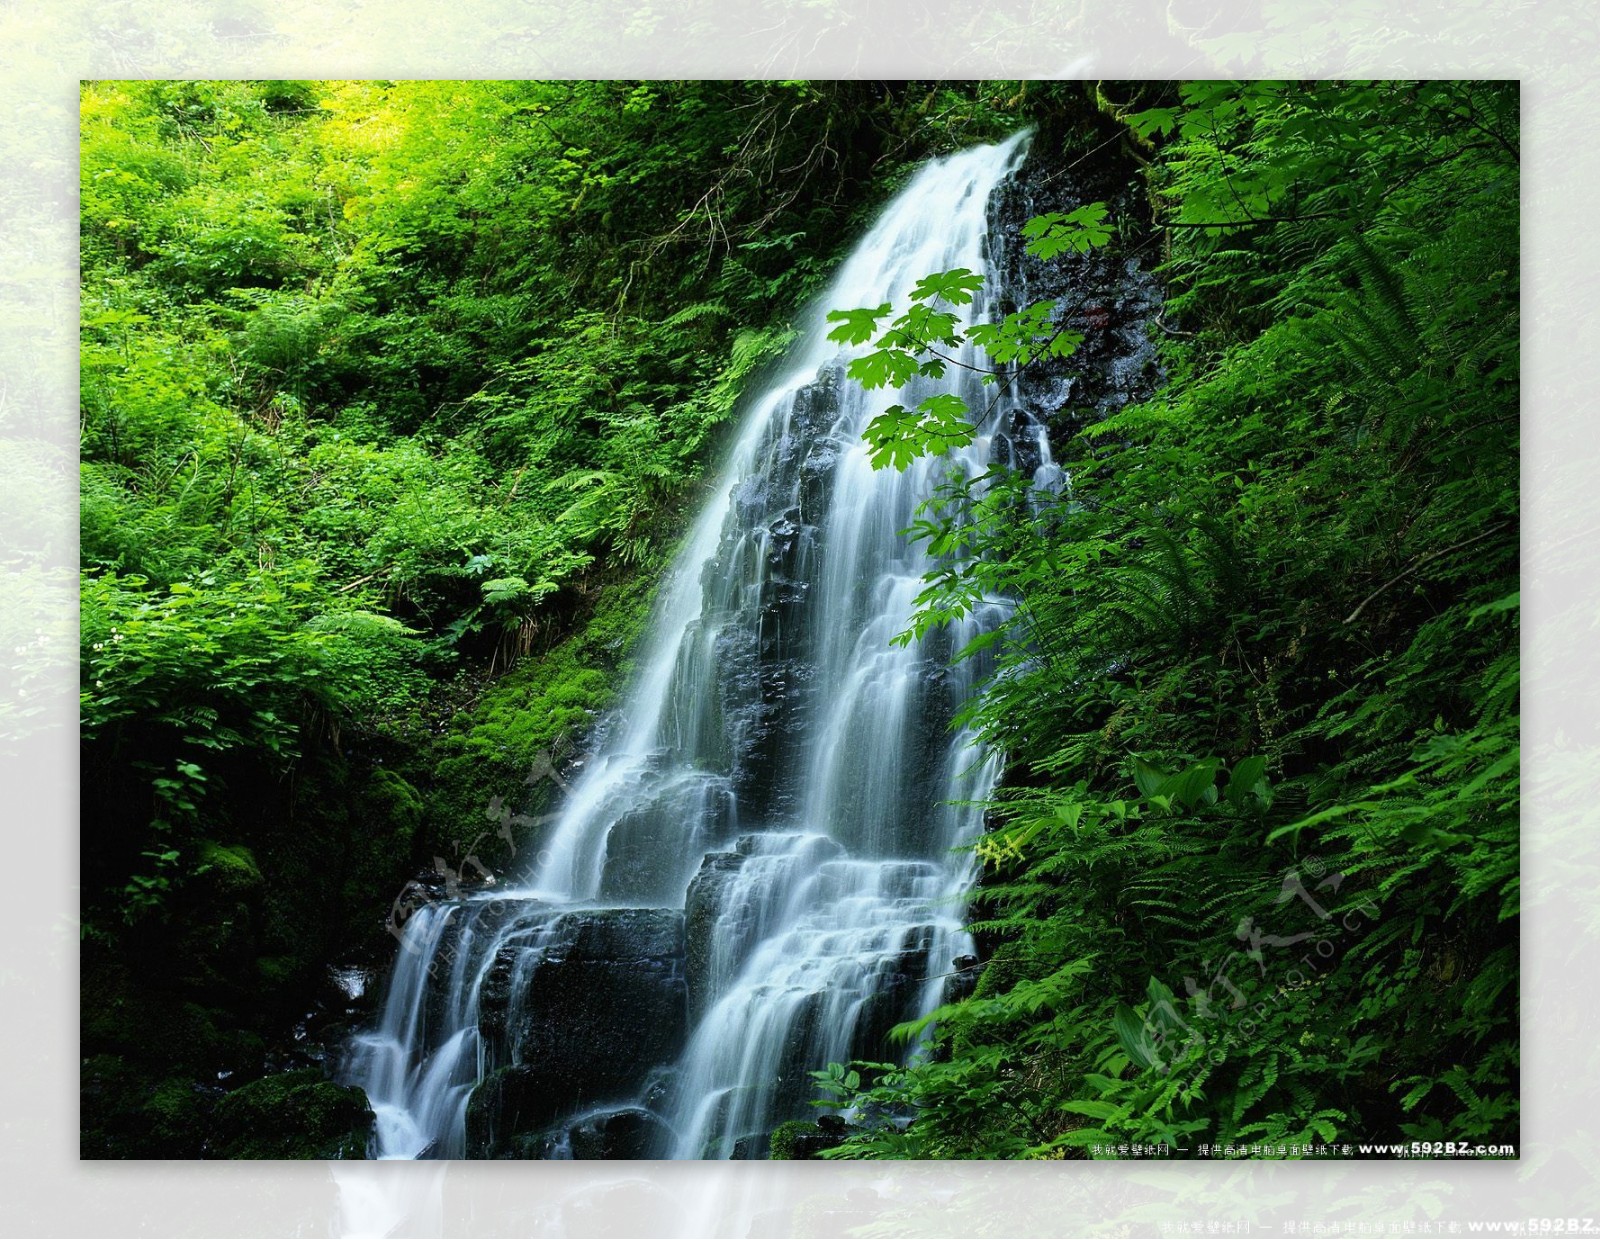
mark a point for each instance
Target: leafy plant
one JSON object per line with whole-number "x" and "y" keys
{"x": 1299, "y": 558}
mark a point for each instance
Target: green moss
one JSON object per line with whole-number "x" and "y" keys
{"x": 278, "y": 970}
{"x": 786, "y": 1139}
{"x": 111, "y": 1094}
{"x": 395, "y": 801}
{"x": 297, "y": 1115}
{"x": 545, "y": 704}
{"x": 1003, "y": 971}
{"x": 232, "y": 868}
{"x": 1009, "y": 964}
{"x": 175, "y": 1112}
{"x": 147, "y": 1026}
{"x": 128, "y": 1112}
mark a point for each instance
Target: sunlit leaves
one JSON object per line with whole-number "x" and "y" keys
{"x": 1073, "y": 232}
{"x": 921, "y": 326}
{"x": 1153, "y": 121}
{"x": 856, "y": 326}
{"x": 898, "y": 435}
{"x": 884, "y": 367}
{"x": 1025, "y": 335}
{"x": 924, "y": 341}
{"x": 956, "y": 287}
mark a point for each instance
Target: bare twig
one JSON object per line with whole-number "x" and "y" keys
{"x": 1416, "y": 564}
{"x": 359, "y": 581}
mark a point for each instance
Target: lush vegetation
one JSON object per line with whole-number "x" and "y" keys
{"x": 396, "y": 397}
{"x": 1253, "y": 883}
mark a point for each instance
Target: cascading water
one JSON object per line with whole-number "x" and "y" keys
{"x": 756, "y": 873}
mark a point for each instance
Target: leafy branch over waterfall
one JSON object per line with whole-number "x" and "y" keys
{"x": 920, "y": 340}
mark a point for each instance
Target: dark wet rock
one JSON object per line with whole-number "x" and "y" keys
{"x": 783, "y": 538}
{"x": 504, "y": 1106}
{"x": 703, "y": 907}
{"x": 1109, "y": 296}
{"x": 764, "y": 648}
{"x": 629, "y": 1133}
{"x": 657, "y": 1092}
{"x": 647, "y": 858}
{"x": 893, "y": 997}
{"x": 293, "y": 1115}
{"x": 963, "y": 979}
{"x": 634, "y": 847}
{"x": 625, "y": 1133}
{"x": 763, "y": 695}
{"x": 714, "y": 922}
{"x": 583, "y": 1021}
{"x": 794, "y": 1089}
{"x": 816, "y": 478}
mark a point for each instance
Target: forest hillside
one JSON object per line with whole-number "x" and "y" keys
{"x": 399, "y": 397}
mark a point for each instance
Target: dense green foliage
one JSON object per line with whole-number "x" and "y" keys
{"x": 395, "y": 398}
{"x": 1252, "y": 883}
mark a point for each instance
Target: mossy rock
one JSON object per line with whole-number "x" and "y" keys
{"x": 300, "y": 1115}
{"x": 545, "y": 702}
{"x": 232, "y": 869}
{"x": 155, "y": 1029}
{"x": 1003, "y": 970}
{"x": 127, "y": 1112}
{"x": 223, "y": 913}
{"x": 112, "y": 1124}
{"x": 393, "y": 801}
{"x": 798, "y": 1140}
{"x": 176, "y": 1113}
{"x": 280, "y": 971}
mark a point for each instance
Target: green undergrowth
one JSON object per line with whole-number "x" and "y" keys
{"x": 507, "y": 748}
{"x": 396, "y": 397}
{"x": 1252, "y": 881}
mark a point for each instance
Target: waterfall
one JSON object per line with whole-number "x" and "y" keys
{"x": 759, "y": 871}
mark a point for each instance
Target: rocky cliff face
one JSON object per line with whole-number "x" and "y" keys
{"x": 1109, "y": 296}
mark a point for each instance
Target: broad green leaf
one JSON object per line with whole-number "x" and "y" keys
{"x": 856, "y": 326}
{"x": 1149, "y": 778}
{"x": 956, "y": 286}
{"x": 1132, "y": 1036}
{"x": 1244, "y": 779}
{"x": 883, "y": 368}
{"x": 1092, "y": 1108}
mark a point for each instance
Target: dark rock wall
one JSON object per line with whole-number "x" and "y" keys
{"x": 603, "y": 1001}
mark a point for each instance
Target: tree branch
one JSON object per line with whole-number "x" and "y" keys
{"x": 1416, "y": 564}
